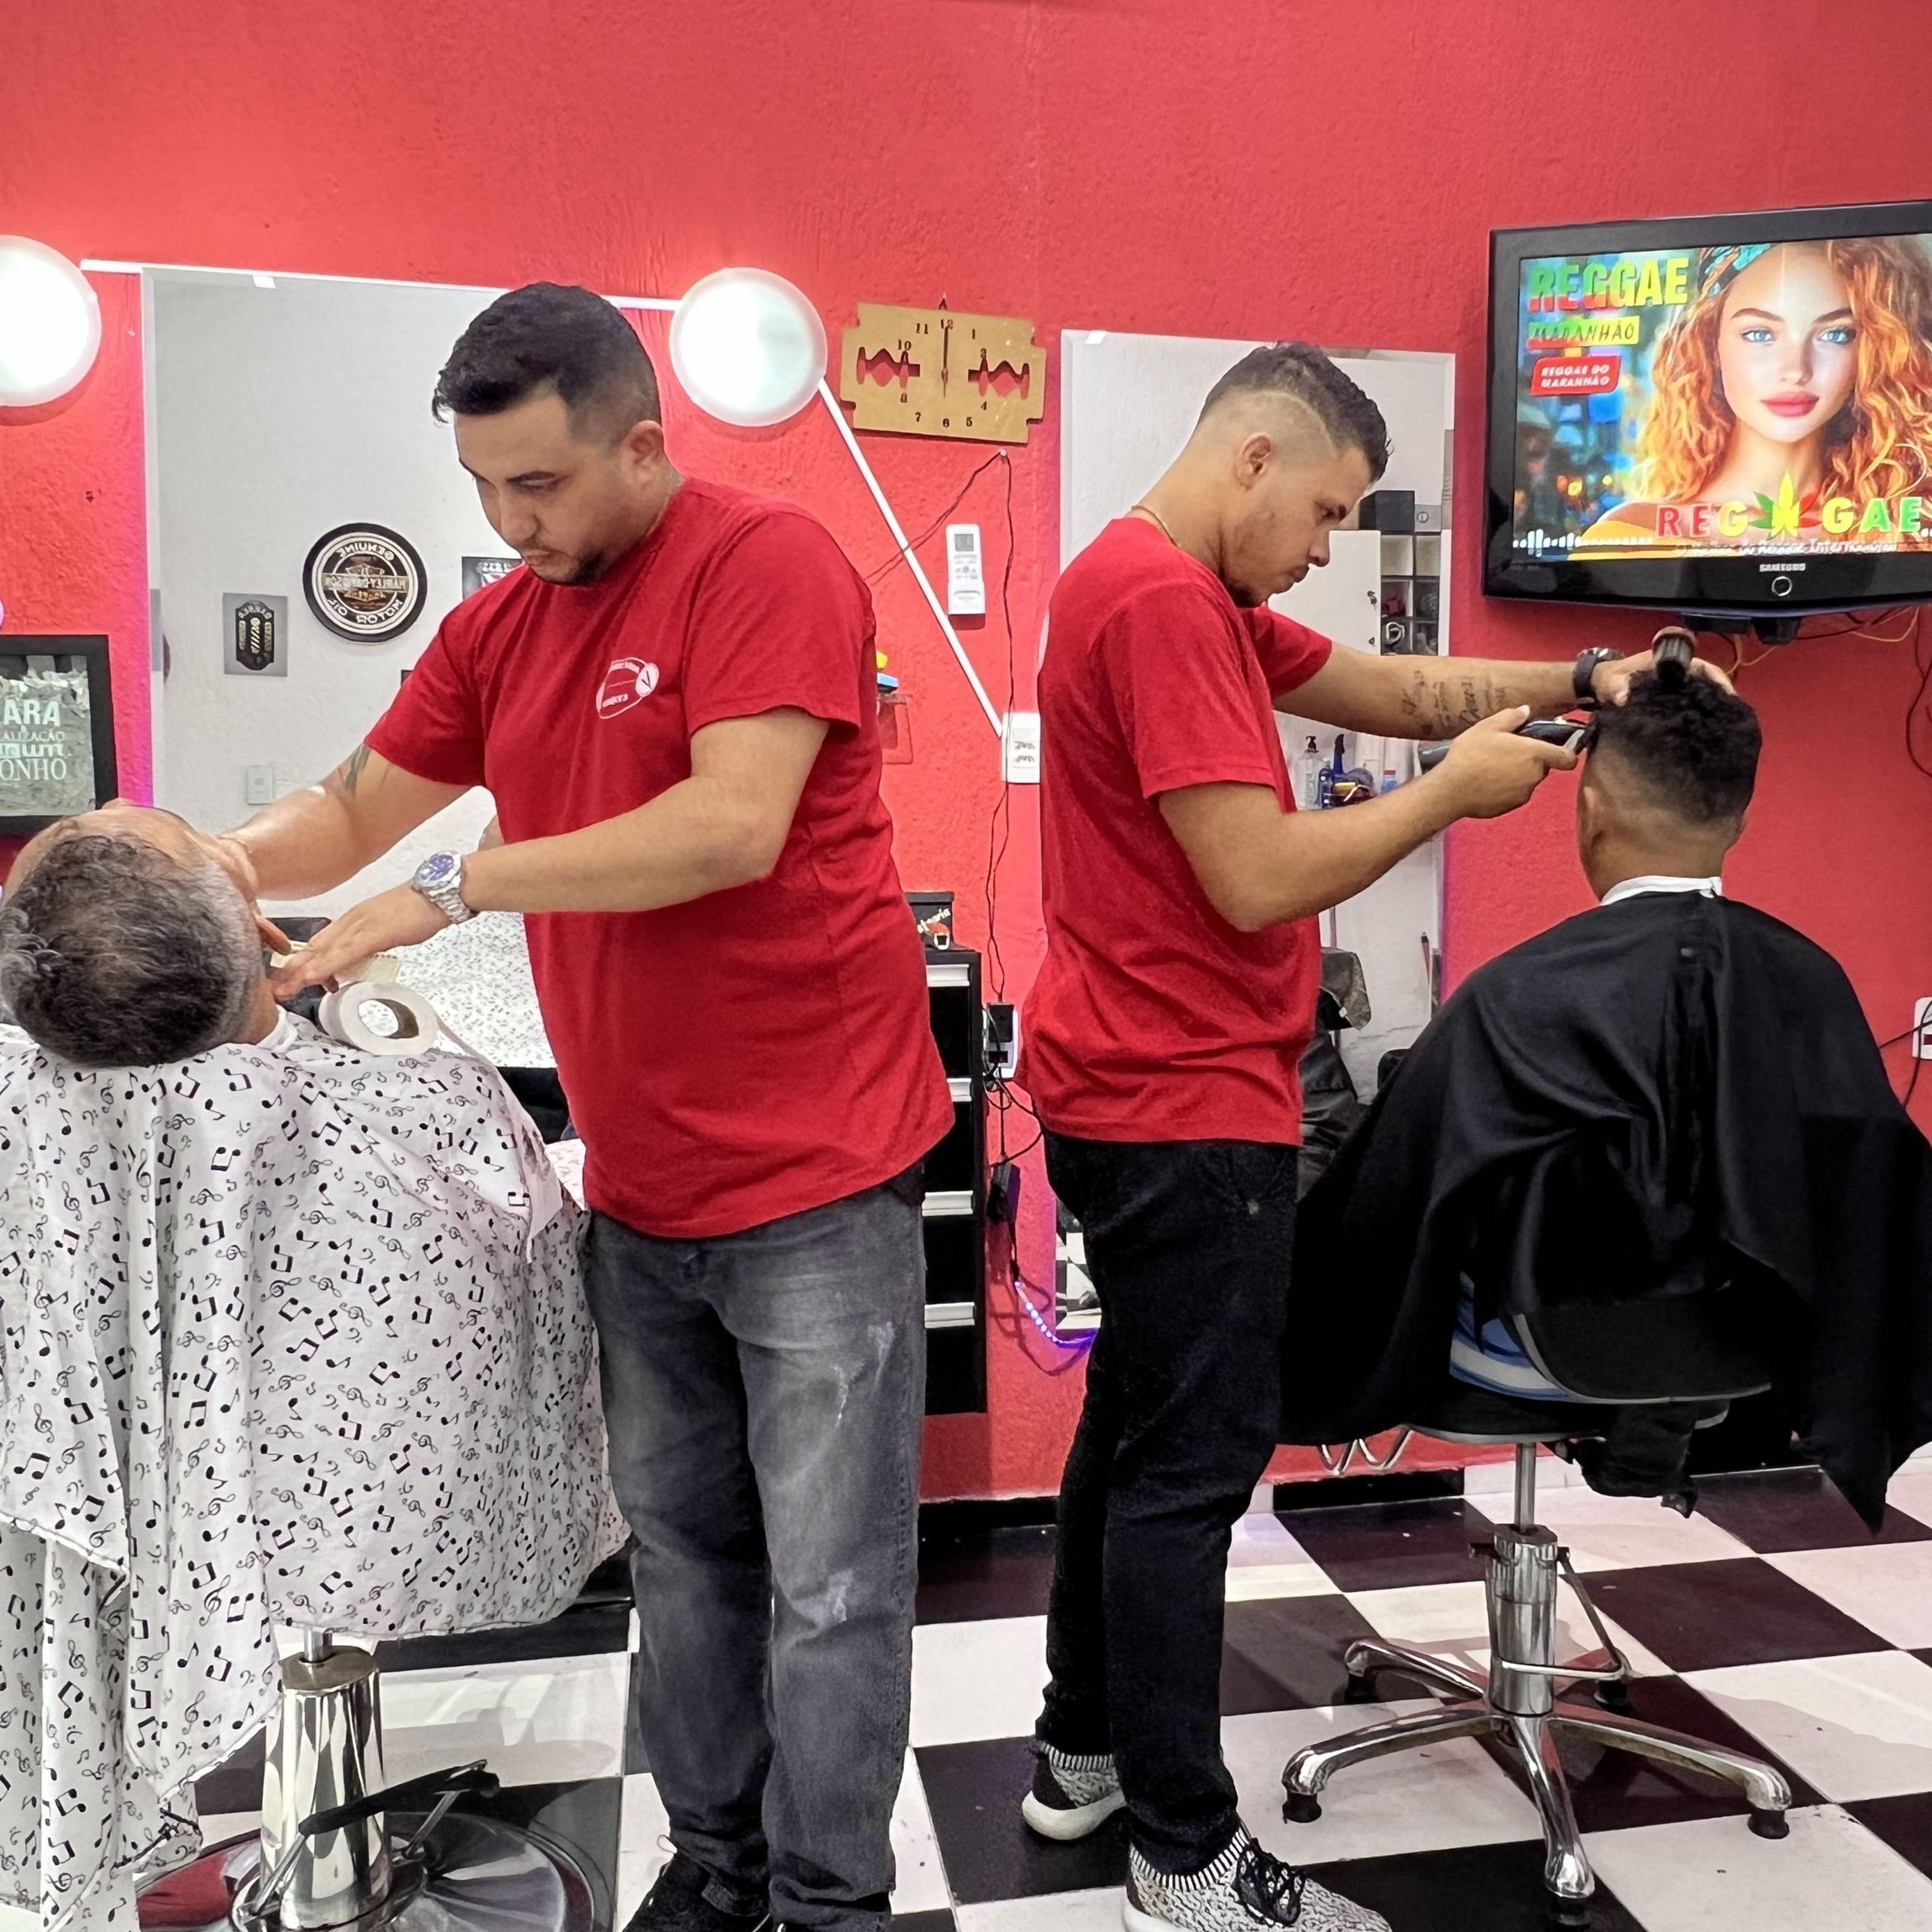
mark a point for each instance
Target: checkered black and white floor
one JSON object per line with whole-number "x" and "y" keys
{"x": 1770, "y": 1620}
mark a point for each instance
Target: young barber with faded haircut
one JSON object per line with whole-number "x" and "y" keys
{"x": 1177, "y": 994}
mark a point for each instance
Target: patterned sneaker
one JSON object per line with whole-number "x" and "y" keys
{"x": 1244, "y": 1888}
{"x": 1071, "y": 1797}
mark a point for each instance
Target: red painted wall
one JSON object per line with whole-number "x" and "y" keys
{"x": 1262, "y": 167}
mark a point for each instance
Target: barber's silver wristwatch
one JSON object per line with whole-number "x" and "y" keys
{"x": 439, "y": 879}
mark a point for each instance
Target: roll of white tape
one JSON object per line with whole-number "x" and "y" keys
{"x": 344, "y": 1016}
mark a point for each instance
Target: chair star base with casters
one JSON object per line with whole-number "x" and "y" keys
{"x": 1520, "y": 1699}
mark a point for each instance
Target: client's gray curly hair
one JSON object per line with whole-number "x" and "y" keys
{"x": 115, "y": 953}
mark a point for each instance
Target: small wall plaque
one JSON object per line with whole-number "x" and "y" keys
{"x": 254, "y": 630}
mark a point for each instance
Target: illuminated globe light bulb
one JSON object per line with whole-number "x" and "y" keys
{"x": 50, "y": 324}
{"x": 748, "y": 347}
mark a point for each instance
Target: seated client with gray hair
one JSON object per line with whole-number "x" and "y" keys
{"x": 124, "y": 943}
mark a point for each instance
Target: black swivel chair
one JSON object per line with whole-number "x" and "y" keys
{"x": 1689, "y": 1349}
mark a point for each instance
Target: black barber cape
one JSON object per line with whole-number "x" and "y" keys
{"x": 1667, "y": 1084}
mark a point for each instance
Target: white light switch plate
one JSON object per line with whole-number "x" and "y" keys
{"x": 1020, "y": 747}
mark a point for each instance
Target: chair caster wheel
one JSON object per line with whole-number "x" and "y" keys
{"x": 1614, "y": 1697}
{"x": 1359, "y": 1690}
{"x": 1770, "y": 1824}
{"x": 1301, "y": 1807}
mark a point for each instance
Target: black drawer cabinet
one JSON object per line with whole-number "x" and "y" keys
{"x": 955, "y": 1207}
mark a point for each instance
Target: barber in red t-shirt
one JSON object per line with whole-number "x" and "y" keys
{"x": 1178, "y": 995}
{"x": 673, "y": 704}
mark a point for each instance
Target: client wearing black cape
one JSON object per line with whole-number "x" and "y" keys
{"x": 1668, "y": 1089}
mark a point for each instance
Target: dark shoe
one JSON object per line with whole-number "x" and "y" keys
{"x": 676, "y": 1903}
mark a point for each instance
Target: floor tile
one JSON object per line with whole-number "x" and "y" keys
{"x": 1910, "y": 1491}
{"x": 995, "y": 1573}
{"x": 1452, "y": 1621}
{"x": 559, "y": 1723}
{"x": 1616, "y": 1790}
{"x": 978, "y": 1679}
{"x": 1904, "y": 1823}
{"x": 1393, "y": 1545}
{"x": 1424, "y": 1800}
{"x": 1618, "y": 1533}
{"x": 1284, "y": 1654}
{"x": 1713, "y": 1875}
{"x": 1887, "y": 1587}
{"x": 1854, "y": 1726}
{"x": 217, "y": 1827}
{"x": 236, "y": 1785}
{"x": 972, "y": 1791}
{"x": 641, "y": 1845}
{"x": 1264, "y": 1559}
{"x": 1472, "y": 1888}
{"x": 1774, "y": 1510}
{"x": 919, "y": 1882}
{"x": 1705, "y": 1616}
{"x": 1068, "y": 1911}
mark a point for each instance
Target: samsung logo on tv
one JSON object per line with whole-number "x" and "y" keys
{"x": 1782, "y": 568}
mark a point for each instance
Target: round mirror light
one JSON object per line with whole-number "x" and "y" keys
{"x": 50, "y": 324}
{"x": 748, "y": 347}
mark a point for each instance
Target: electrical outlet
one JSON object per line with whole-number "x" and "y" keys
{"x": 1922, "y": 1031}
{"x": 1002, "y": 1039}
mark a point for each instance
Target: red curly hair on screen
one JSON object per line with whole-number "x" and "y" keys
{"x": 1879, "y": 445}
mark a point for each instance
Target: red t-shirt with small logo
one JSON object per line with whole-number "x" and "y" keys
{"x": 1153, "y": 1019}
{"x": 754, "y": 1052}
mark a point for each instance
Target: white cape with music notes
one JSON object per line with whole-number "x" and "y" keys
{"x": 283, "y": 1339}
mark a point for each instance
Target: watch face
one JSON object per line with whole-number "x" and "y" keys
{"x": 436, "y": 870}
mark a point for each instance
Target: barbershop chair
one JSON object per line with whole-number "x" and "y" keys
{"x": 1617, "y": 1356}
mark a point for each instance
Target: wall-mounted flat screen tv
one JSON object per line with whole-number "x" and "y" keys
{"x": 1726, "y": 414}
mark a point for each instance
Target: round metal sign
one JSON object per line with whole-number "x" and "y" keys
{"x": 366, "y": 583}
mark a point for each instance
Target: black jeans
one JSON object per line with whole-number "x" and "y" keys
{"x": 763, "y": 1395}
{"x": 1188, "y": 1244}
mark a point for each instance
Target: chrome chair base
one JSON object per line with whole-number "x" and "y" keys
{"x": 1519, "y": 1701}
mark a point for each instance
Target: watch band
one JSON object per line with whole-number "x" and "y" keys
{"x": 447, "y": 898}
{"x": 1583, "y": 674}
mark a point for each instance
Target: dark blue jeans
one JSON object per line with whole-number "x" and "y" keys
{"x": 1188, "y": 1244}
{"x": 765, "y": 1393}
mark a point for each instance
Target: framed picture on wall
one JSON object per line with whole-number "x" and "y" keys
{"x": 56, "y": 731}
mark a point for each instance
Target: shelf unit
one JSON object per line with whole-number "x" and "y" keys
{"x": 955, "y": 1207}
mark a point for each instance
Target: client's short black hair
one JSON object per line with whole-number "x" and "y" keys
{"x": 1690, "y": 745}
{"x": 114, "y": 954}
{"x": 1343, "y": 409}
{"x": 545, "y": 332}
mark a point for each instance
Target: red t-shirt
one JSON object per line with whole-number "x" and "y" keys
{"x": 754, "y": 1052}
{"x": 1153, "y": 1019}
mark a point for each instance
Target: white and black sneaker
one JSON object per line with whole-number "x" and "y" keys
{"x": 1071, "y": 1797}
{"x": 1244, "y": 1888}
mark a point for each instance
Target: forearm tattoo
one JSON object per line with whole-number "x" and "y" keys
{"x": 1445, "y": 701}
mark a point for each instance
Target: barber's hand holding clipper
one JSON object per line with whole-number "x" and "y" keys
{"x": 1491, "y": 768}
